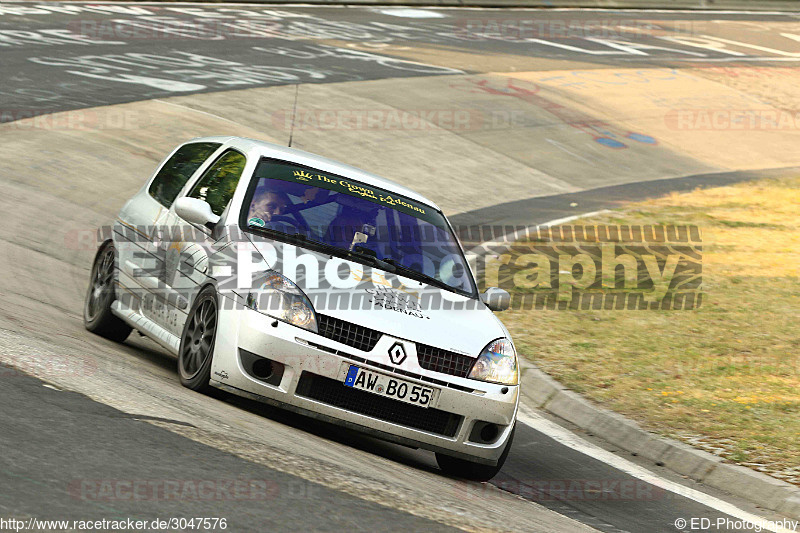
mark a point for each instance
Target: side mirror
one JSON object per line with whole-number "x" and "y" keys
{"x": 496, "y": 299}
{"x": 196, "y": 211}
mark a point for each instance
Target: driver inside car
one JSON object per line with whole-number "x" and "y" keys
{"x": 269, "y": 212}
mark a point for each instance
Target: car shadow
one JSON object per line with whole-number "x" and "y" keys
{"x": 148, "y": 351}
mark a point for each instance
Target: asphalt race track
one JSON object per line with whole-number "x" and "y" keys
{"x": 501, "y": 116}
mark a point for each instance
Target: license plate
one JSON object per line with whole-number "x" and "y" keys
{"x": 383, "y": 385}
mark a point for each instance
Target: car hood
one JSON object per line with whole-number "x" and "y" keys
{"x": 392, "y": 304}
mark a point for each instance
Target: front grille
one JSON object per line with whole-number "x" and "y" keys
{"x": 365, "y": 339}
{"x": 333, "y": 392}
{"x": 443, "y": 361}
{"x": 389, "y": 368}
{"x": 348, "y": 333}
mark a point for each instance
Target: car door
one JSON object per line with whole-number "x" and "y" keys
{"x": 138, "y": 228}
{"x": 186, "y": 257}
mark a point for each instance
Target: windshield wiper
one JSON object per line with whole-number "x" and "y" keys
{"x": 365, "y": 253}
{"x": 392, "y": 265}
{"x": 417, "y": 275}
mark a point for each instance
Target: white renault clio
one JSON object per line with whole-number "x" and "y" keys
{"x": 290, "y": 278}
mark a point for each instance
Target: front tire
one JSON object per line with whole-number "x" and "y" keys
{"x": 97, "y": 315}
{"x": 197, "y": 342}
{"x": 464, "y": 469}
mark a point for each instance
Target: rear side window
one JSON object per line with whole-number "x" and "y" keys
{"x": 178, "y": 169}
{"x": 219, "y": 182}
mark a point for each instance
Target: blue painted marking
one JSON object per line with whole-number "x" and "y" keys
{"x": 642, "y": 138}
{"x": 351, "y": 376}
{"x": 611, "y": 143}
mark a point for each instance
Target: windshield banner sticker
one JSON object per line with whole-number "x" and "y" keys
{"x": 288, "y": 172}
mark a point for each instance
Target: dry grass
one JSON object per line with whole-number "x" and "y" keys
{"x": 725, "y": 377}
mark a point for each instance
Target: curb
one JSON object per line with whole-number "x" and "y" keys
{"x": 541, "y": 391}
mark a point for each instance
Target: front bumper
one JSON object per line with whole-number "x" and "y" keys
{"x": 314, "y": 367}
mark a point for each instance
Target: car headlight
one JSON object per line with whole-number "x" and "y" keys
{"x": 497, "y": 363}
{"x": 277, "y": 296}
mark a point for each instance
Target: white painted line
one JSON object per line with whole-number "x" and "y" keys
{"x": 732, "y": 59}
{"x": 173, "y": 86}
{"x": 411, "y": 13}
{"x": 564, "y": 220}
{"x": 648, "y": 10}
{"x": 571, "y": 440}
{"x": 511, "y": 237}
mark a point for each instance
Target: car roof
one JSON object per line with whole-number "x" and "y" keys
{"x": 276, "y": 151}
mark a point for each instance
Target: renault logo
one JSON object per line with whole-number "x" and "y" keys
{"x": 397, "y": 353}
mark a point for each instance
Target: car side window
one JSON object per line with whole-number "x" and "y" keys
{"x": 178, "y": 169}
{"x": 219, "y": 182}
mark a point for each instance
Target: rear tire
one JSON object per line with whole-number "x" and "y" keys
{"x": 464, "y": 469}
{"x": 197, "y": 342}
{"x": 97, "y": 315}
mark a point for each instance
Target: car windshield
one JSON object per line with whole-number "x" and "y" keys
{"x": 358, "y": 221}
